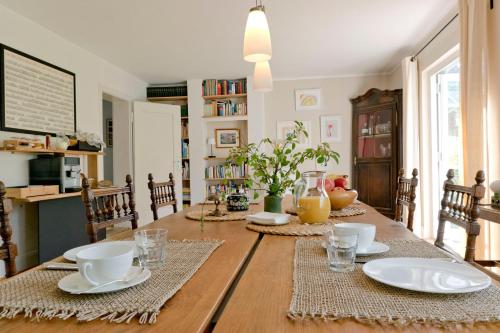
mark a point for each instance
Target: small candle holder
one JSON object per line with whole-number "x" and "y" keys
{"x": 216, "y": 212}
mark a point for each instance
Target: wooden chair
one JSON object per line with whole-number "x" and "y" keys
{"x": 8, "y": 249}
{"x": 108, "y": 207}
{"x": 162, "y": 194}
{"x": 405, "y": 196}
{"x": 492, "y": 215}
{"x": 460, "y": 206}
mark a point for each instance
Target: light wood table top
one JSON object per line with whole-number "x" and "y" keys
{"x": 261, "y": 300}
{"x": 191, "y": 309}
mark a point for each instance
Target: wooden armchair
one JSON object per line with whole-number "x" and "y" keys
{"x": 405, "y": 196}
{"x": 8, "y": 249}
{"x": 108, "y": 207}
{"x": 162, "y": 194}
{"x": 460, "y": 206}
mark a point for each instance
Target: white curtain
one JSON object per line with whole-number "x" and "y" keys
{"x": 479, "y": 99}
{"x": 411, "y": 132}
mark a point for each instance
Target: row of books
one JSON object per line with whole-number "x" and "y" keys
{"x": 185, "y": 169}
{"x": 224, "y": 87}
{"x": 222, "y": 188}
{"x": 186, "y": 194}
{"x": 167, "y": 91}
{"x": 185, "y": 149}
{"x": 223, "y": 171}
{"x": 224, "y": 108}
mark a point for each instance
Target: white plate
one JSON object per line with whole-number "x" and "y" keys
{"x": 265, "y": 218}
{"x": 427, "y": 275}
{"x": 74, "y": 283}
{"x": 71, "y": 254}
{"x": 375, "y": 248}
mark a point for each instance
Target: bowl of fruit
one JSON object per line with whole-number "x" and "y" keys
{"x": 338, "y": 192}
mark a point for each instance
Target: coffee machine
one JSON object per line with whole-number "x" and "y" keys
{"x": 56, "y": 170}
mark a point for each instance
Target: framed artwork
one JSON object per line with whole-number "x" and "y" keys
{"x": 284, "y": 128}
{"x": 331, "y": 128}
{"x": 227, "y": 138}
{"x": 307, "y": 99}
{"x": 36, "y": 97}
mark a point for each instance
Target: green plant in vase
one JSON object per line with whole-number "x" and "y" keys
{"x": 275, "y": 165}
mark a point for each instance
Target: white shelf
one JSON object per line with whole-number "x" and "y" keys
{"x": 226, "y": 118}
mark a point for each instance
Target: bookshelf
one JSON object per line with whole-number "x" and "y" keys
{"x": 177, "y": 95}
{"x": 225, "y": 106}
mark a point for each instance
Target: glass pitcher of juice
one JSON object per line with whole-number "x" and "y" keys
{"x": 310, "y": 198}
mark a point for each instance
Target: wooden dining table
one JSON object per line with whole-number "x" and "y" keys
{"x": 244, "y": 286}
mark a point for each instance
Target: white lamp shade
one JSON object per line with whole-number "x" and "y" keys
{"x": 262, "y": 78}
{"x": 257, "y": 41}
{"x": 211, "y": 141}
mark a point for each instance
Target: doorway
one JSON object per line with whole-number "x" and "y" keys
{"x": 107, "y": 136}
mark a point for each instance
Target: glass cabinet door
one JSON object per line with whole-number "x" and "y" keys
{"x": 375, "y": 134}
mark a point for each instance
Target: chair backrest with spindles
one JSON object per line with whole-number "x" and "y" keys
{"x": 460, "y": 206}
{"x": 8, "y": 249}
{"x": 162, "y": 194}
{"x": 405, "y": 196}
{"x": 108, "y": 207}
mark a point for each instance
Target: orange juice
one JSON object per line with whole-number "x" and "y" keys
{"x": 313, "y": 209}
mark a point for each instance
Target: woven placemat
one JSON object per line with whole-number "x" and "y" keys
{"x": 36, "y": 295}
{"x": 294, "y": 228}
{"x": 351, "y": 210}
{"x": 229, "y": 216}
{"x": 319, "y": 292}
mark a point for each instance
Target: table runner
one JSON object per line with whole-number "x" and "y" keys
{"x": 319, "y": 292}
{"x": 36, "y": 294}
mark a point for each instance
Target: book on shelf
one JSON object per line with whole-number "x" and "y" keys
{"x": 185, "y": 149}
{"x": 224, "y": 87}
{"x": 166, "y": 91}
{"x": 185, "y": 169}
{"x": 224, "y": 109}
{"x": 184, "y": 130}
{"x": 184, "y": 110}
{"x": 223, "y": 171}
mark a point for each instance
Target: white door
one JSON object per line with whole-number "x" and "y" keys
{"x": 157, "y": 150}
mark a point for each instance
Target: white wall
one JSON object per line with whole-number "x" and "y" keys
{"x": 335, "y": 95}
{"x": 93, "y": 77}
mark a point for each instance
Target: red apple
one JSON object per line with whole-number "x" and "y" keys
{"x": 341, "y": 182}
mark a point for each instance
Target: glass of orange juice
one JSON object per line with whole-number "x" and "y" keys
{"x": 310, "y": 198}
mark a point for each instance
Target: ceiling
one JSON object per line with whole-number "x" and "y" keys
{"x": 163, "y": 41}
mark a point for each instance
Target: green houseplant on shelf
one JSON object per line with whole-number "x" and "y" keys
{"x": 276, "y": 170}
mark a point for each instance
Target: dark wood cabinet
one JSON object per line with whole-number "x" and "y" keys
{"x": 376, "y": 147}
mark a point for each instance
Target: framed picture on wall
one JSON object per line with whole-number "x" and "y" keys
{"x": 284, "y": 128}
{"x": 36, "y": 97}
{"x": 331, "y": 128}
{"x": 227, "y": 138}
{"x": 307, "y": 99}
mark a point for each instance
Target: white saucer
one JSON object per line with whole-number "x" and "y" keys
{"x": 375, "y": 248}
{"x": 71, "y": 254}
{"x": 74, "y": 283}
{"x": 427, "y": 275}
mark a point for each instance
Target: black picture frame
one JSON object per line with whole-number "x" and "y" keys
{"x": 3, "y": 126}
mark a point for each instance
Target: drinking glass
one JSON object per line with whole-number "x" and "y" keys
{"x": 341, "y": 245}
{"x": 151, "y": 247}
